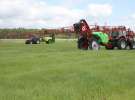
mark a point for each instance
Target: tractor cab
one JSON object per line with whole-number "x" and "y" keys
{"x": 118, "y": 32}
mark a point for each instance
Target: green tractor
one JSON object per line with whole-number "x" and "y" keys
{"x": 48, "y": 40}
{"x": 95, "y": 37}
{"x": 98, "y": 38}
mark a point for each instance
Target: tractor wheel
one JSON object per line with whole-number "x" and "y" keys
{"x": 49, "y": 41}
{"x": 132, "y": 45}
{"x": 34, "y": 42}
{"x": 27, "y": 42}
{"x": 38, "y": 41}
{"x": 122, "y": 44}
{"x": 93, "y": 44}
{"x": 109, "y": 48}
{"x": 83, "y": 44}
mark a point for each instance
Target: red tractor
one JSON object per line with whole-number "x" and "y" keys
{"x": 107, "y": 36}
{"x": 121, "y": 38}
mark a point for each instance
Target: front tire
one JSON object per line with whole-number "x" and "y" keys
{"x": 49, "y": 41}
{"x": 93, "y": 44}
{"x": 122, "y": 44}
{"x": 132, "y": 45}
{"x": 109, "y": 46}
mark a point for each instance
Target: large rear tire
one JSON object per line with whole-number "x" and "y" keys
{"x": 28, "y": 42}
{"x": 82, "y": 44}
{"x": 93, "y": 44}
{"x": 122, "y": 44}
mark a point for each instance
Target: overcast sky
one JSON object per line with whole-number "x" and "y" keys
{"x": 59, "y": 13}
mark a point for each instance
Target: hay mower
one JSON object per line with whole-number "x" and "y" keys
{"x": 109, "y": 36}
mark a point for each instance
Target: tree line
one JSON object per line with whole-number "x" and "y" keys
{"x": 17, "y": 32}
{"x": 22, "y": 33}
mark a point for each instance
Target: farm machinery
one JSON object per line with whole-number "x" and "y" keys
{"x": 37, "y": 40}
{"x": 48, "y": 40}
{"x": 33, "y": 40}
{"x": 109, "y": 36}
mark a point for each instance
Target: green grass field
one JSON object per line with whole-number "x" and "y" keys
{"x": 62, "y": 72}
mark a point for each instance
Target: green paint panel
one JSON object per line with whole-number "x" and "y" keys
{"x": 103, "y": 36}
